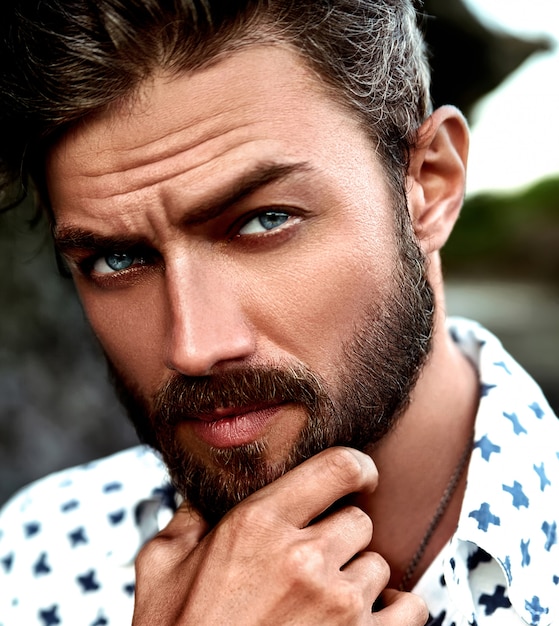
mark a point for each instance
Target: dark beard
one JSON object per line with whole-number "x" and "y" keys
{"x": 378, "y": 370}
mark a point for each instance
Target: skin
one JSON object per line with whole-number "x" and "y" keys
{"x": 215, "y": 289}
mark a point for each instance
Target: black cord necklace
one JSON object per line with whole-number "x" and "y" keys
{"x": 443, "y": 504}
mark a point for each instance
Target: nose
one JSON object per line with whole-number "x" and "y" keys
{"x": 206, "y": 324}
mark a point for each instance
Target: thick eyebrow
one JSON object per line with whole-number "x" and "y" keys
{"x": 68, "y": 238}
{"x": 247, "y": 184}
{"x": 72, "y": 238}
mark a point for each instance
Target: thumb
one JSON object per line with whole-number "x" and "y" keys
{"x": 187, "y": 526}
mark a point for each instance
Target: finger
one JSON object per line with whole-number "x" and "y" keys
{"x": 305, "y": 492}
{"x": 186, "y": 525}
{"x": 361, "y": 581}
{"x": 343, "y": 534}
{"x": 400, "y": 607}
{"x": 370, "y": 570}
{"x": 171, "y": 545}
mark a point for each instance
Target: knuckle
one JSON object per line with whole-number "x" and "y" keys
{"x": 251, "y": 515}
{"x": 410, "y": 608}
{"x": 361, "y": 518}
{"x": 363, "y": 525}
{"x": 153, "y": 553}
{"x": 356, "y": 524}
{"x": 249, "y": 527}
{"x": 345, "y": 468}
{"x": 305, "y": 563}
{"x": 380, "y": 570}
{"x": 416, "y": 609}
{"x": 144, "y": 559}
{"x": 350, "y": 600}
{"x": 346, "y": 602}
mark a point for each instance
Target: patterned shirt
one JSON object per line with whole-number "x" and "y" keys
{"x": 68, "y": 542}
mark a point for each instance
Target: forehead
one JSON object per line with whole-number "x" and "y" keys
{"x": 258, "y": 104}
{"x": 263, "y": 80}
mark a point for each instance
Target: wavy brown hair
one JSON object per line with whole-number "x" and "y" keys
{"x": 63, "y": 60}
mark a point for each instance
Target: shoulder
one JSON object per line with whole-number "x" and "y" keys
{"x": 507, "y": 535}
{"x": 70, "y": 539}
{"x": 95, "y": 486}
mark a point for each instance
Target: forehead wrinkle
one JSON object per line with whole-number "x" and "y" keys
{"x": 200, "y": 208}
{"x": 154, "y": 92}
{"x": 155, "y": 176}
{"x": 164, "y": 154}
{"x": 195, "y": 126}
{"x": 203, "y": 128}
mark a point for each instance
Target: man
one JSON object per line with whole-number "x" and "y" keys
{"x": 251, "y": 199}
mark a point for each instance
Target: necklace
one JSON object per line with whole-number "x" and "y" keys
{"x": 443, "y": 504}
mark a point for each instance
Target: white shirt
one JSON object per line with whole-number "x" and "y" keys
{"x": 501, "y": 567}
{"x": 68, "y": 541}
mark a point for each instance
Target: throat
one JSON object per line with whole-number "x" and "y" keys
{"x": 435, "y": 526}
{"x": 422, "y": 469}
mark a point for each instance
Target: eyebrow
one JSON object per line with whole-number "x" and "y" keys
{"x": 68, "y": 238}
{"x": 72, "y": 238}
{"x": 247, "y": 184}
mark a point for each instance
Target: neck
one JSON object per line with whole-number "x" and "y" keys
{"x": 418, "y": 459}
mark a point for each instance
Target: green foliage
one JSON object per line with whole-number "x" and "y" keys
{"x": 508, "y": 235}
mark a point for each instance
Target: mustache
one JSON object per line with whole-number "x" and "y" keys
{"x": 185, "y": 397}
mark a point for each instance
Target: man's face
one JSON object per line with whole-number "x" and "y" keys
{"x": 236, "y": 248}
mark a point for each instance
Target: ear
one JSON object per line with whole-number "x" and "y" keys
{"x": 437, "y": 177}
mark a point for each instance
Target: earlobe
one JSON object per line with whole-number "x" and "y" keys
{"x": 437, "y": 176}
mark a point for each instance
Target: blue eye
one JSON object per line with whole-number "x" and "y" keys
{"x": 264, "y": 222}
{"x": 115, "y": 262}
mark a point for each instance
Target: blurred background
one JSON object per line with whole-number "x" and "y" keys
{"x": 497, "y": 61}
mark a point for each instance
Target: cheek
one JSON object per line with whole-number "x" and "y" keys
{"x": 314, "y": 303}
{"x": 128, "y": 324}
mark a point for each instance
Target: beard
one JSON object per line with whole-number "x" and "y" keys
{"x": 377, "y": 371}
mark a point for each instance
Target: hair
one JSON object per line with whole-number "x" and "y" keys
{"x": 65, "y": 60}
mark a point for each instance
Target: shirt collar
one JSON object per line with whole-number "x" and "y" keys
{"x": 507, "y": 505}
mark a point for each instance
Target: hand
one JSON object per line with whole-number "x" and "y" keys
{"x": 279, "y": 557}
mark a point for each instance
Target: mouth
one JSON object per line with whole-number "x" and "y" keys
{"x": 232, "y": 427}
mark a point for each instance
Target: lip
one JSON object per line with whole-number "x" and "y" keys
{"x": 231, "y": 427}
